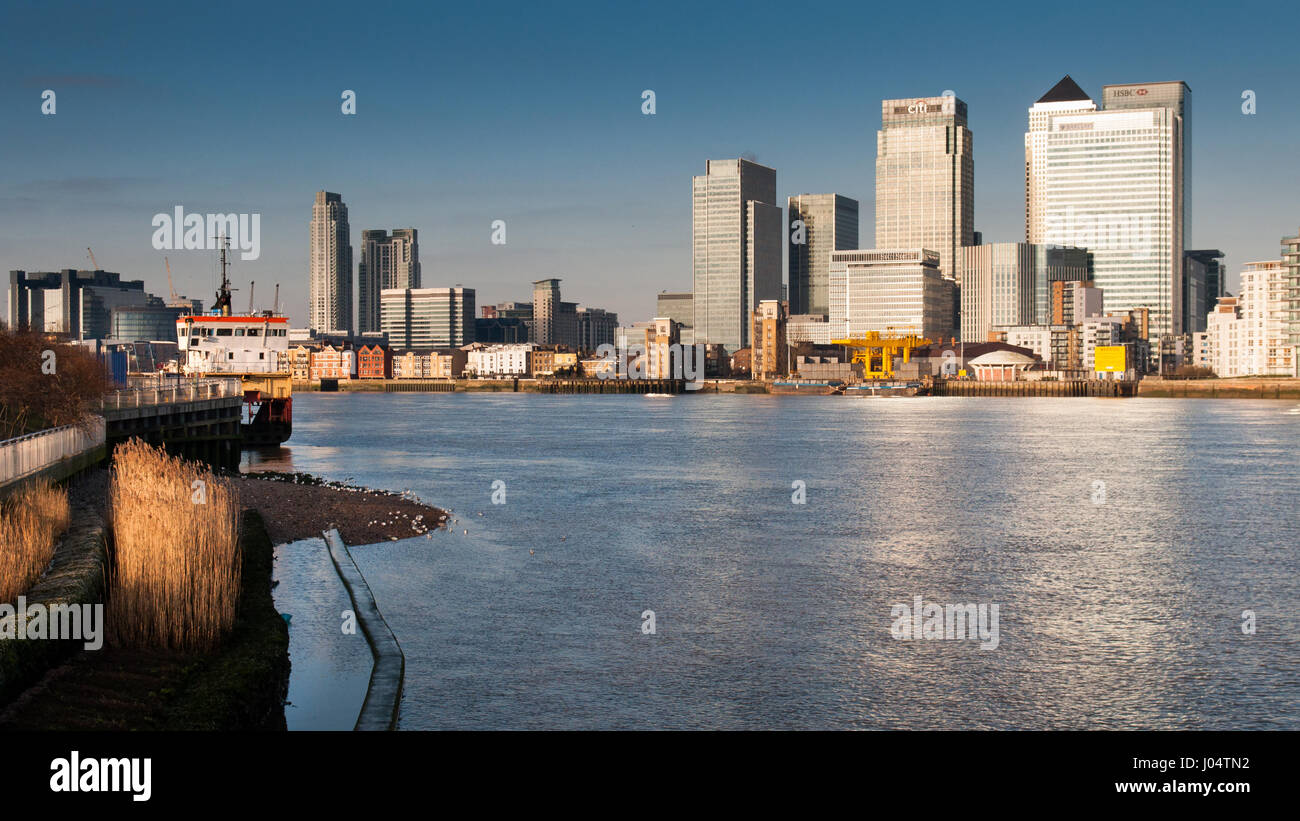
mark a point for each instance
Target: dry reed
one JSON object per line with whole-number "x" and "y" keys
{"x": 176, "y": 564}
{"x": 31, "y": 521}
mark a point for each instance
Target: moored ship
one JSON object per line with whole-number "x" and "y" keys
{"x": 253, "y": 347}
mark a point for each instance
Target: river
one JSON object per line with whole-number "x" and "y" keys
{"x": 1142, "y": 555}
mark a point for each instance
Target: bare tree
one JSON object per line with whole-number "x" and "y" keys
{"x": 45, "y": 383}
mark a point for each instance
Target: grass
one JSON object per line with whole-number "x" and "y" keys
{"x": 175, "y": 565}
{"x": 31, "y": 522}
{"x": 240, "y": 685}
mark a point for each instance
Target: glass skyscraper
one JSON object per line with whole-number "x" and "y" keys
{"x": 925, "y": 178}
{"x": 736, "y": 248}
{"x": 329, "y": 287}
{"x": 1112, "y": 182}
{"x": 829, "y": 222}
{"x": 387, "y": 262}
{"x": 1009, "y": 284}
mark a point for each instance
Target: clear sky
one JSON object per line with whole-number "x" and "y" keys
{"x": 531, "y": 113}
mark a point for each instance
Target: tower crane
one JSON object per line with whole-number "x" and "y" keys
{"x": 170, "y": 286}
{"x": 94, "y": 264}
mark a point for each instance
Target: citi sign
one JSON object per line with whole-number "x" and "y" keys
{"x": 918, "y": 107}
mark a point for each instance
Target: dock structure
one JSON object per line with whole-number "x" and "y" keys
{"x": 1044, "y": 387}
{"x": 194, "y": 418}
{"x": 611, "y": 386}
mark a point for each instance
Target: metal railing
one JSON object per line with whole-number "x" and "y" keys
{"x": 25, "y": 455}
{"x": 168, "y": 392}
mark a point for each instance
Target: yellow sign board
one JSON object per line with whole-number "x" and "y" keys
{"x": 1110, "y": 359}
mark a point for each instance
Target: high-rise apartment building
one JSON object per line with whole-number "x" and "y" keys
{"x": 925, "y": 178}
{"x": 596, "y": 327}
{"x": 554, "y": 321}
{"x": 1112, "y": 181}
{"x": 426, "y": 318}
{"x": 818, "y": 224}
{"x": 1291, "y": 304}
{"x": 387, "y": 262}
{"x": 736, "y": 248}
{"x": 329, "y": 287}
{"x": 1250, "y": 335}
{"x": 890, "y": 291}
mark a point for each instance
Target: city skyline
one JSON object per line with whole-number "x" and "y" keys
{"x": 596, "y": 193}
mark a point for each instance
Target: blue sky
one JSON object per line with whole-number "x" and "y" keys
{"x": 531, "y": 113}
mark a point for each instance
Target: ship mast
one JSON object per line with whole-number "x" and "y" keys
{"x": 223, "y": 293}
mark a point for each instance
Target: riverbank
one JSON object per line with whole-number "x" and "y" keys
{"x": 1236, "y": 388}
{"x": 239, "y": 686}
{"x": 300, "y": 506}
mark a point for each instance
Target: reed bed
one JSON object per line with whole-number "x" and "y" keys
{"x": 31, "y": 521}
{"x": 175, "y": 569}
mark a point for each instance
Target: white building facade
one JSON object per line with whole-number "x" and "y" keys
{"x": 890, "y": 292}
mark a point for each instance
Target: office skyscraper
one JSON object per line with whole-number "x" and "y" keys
{"x": 1063, "y": 98}
{"x": 736, "y": 248}
{"x": 1112, "y": 182}
{"x": 829, "y": 222}
{"x": 1202, "y": 286}
{"x": 925, "y": 178}
{"x": 329, "y": 288}
{"x": 387, "y": 262}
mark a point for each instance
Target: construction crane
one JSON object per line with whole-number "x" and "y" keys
{"x": 170, "y": 286}
{"x": 881, "y": 348}
{"x": 94, "y": 265}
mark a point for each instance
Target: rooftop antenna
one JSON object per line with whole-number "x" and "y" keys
{"x": 251, "y": 285}
{"x": 275, "y": 309}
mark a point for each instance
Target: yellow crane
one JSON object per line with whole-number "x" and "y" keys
{"x": 93, "y": 264}
{"x": 880, "y": 348}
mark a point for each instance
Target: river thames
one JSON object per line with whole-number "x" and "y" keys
{"x": 1142, "y": 555}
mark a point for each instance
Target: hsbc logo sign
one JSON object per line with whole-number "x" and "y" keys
{"x": 1131, "y": 92}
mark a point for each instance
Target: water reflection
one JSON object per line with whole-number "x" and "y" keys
{"x": 1123, "y": 613}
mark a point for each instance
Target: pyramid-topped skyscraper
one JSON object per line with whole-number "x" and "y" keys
{"x": 1063, "y": 98}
